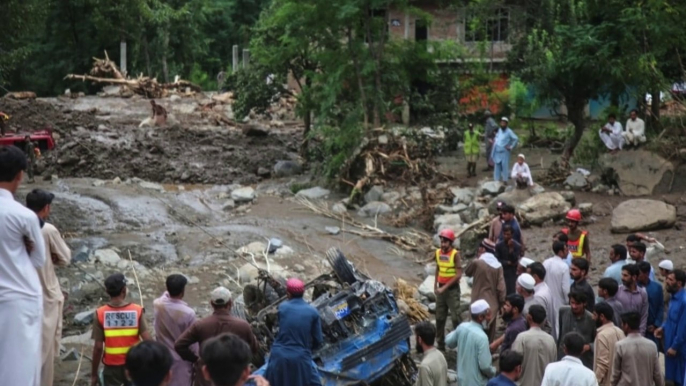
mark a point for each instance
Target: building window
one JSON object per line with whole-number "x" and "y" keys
{"x": 493, "y": 28}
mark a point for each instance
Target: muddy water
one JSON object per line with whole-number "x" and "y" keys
{"x": 182, "y": 227}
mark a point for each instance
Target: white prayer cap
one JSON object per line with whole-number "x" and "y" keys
{"x": 666, "y": 264}
{"x": 525, "y": 262}
{"x": 505, "y": 119}
{"x": 526, "y": 281}
{"x": 479, "y": 307}
{"x": 521, "y": 156}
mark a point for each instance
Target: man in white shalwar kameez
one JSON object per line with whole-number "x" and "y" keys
{"x": 635, "y": 133}
{"x": 56, "y": 253}
{"x": 612, "y": 134}
{"x": 22, "y": 251}
{"x": 521, "y": 173}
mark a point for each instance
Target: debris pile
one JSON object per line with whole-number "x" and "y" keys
{"x": 405, "y": 293}
{"x": 105, "y": 71}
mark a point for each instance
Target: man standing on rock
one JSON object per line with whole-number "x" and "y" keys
{"x": 557, "y": 278}
{"x": 471, "y": 149}
{"x": 489, "y": 134}
{"x": 172, "y": 317}
{"x": 489, "y": 282}
{"x": 56, "y": 253}
{"x": 447, "y": 285}
{"x": 117, "y": 326}
{"x": 674, "y": 329}
{"x": 508, "y": 251}
{"x": 577, "y": 240}
{"x": 22, "y": 252}
{"x": 505, "y": 140}
{"x": 221, "y": 321}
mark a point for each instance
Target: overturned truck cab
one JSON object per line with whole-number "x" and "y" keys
{"x": 366, "y": 338}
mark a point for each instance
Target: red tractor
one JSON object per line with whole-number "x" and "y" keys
{"x": 43, "y": 139}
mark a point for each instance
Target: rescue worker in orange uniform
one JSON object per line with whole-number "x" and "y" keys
{"x": 118, "y": 326}
{"x": 577, "y": 240}
{"x": 447, "y": 285}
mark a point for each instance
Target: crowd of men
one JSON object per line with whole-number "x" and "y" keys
{"x": 215, "y": 351}
{"x": 559, "y": 331}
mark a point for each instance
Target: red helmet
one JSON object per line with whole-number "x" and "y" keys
{"x": 447, "y": 234}
{"x": 574, "y": 215}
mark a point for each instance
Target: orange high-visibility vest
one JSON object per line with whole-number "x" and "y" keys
{"x": 120, "y": 325}
{"x": 445, "y": 265}
{"x": 576, "y": 247}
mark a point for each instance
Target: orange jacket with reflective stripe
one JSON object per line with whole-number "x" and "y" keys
{"x": 120, "y": 325}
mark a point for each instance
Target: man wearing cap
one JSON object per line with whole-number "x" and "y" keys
{"x": 221, "y": 321}
{"x": 666, "y": 267}
{"x": 505, "y": 140}
{"x": 22, "y": 251}
{"x": 489, "y": 281}
{"x": 300, "y": 332}
{"x": 447, "y": 285}
{"x": 117, "y": 327}
{"x": 577, "y": 240}
{"x": 521, "y": 173}
{"x": 524, "y": 262}
{"x": 474, "y": 363}
{"x": 489, "y": 134}
{"x": 57, "y": 253}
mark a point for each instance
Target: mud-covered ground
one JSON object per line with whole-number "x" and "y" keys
{"x": 101, "y": 138}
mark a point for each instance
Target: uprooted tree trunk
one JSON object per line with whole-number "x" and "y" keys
{"x": 105, "y": 71}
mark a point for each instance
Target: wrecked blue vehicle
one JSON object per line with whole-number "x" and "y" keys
{"x": 366, "y": 338}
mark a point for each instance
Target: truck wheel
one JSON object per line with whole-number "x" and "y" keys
{"x": 340, "y": 265}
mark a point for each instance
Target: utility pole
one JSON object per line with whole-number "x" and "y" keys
{"x": 246, "y": 58}
{"x": 122, "y": 56}
{"x": 235, "y": 58}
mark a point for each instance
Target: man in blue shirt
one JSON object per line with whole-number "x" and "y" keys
{"x": 300, "y": 332}
{"x": 505, "y": 140}
{"x": 474, "y": 364}
{"x": 510, "y": 369}
{"x": 656, "y": 303}
{"x": 674, "y": 329}
{"x": 617, "y": 257}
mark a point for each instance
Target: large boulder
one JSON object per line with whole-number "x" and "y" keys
{"x": 246, "y": 194}
{"x": 491, "y": 188}
{"x": 462, "y": 195}
{"x": 316, "y": 193}
{"x": 642, "y": 215}
{"x": 287, "y": 168}
{"x": 374, "y": 208}
{"x": 374, "y": 194}
{"x": 638, "y": 172}
{"x": 451, "y": 221}
{"x": 576, "y": 181}
{"x": 427, "y": 288}
{"x": 107, "y": 257}
{"x": 543, "y": 207}
{"x": 513, "y": 197}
